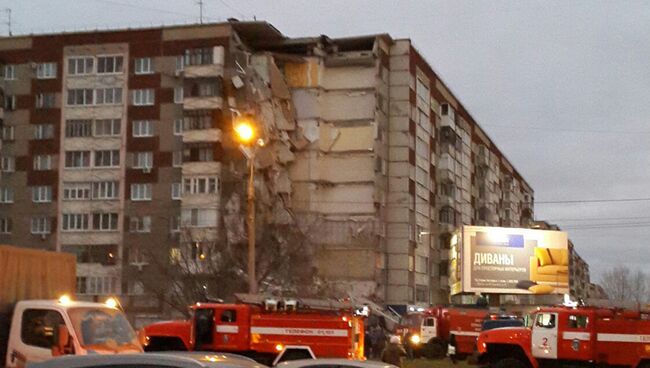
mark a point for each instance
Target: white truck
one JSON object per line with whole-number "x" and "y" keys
{"x": 35, "y": 326}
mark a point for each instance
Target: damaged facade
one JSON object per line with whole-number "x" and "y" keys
{"x": 122, "y": 140}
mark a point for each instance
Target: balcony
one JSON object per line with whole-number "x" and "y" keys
{"x": 447, "y": 121}
{"x": 203, "y": 71}
{"x": 203, "y": 103}
{"x": 202, "y": 135}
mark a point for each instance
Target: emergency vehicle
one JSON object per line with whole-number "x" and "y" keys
{"x": 571, "y": 336}
{"x": 261, "y": 328}
{"x": 434, "y": 332}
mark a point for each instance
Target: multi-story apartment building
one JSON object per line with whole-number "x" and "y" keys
{"x": 118, "y": 140}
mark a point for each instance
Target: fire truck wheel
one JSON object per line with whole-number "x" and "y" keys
{"x": 510, "y": 363}
{"x": 435, "y": 349}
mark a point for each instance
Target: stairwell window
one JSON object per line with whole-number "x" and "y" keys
{"x": 178, "y": 127}
{"x": 143, "y": 97}
{"x": 177, "y": 191}
{"x": 46, "y": 71}
{"x": 141, "y": 192}
{"x": 178, "y": 95}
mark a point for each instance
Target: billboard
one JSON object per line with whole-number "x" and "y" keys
{"x": 509, "y": 261}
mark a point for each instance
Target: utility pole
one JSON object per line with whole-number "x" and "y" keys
{"x": 8, "y": 22}
{"x": 200, "y": 3}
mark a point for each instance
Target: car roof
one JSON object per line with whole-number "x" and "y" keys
{"x": 349, "y": 362}
{"x": 198, "y": 360}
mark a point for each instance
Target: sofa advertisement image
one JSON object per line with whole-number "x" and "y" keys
{"x": 513, "y": 261}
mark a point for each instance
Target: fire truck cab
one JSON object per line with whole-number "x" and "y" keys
{"x": 570, "y": 336}
{"x": 261, "y": 331}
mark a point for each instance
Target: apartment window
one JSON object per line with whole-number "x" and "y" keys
{"x": 108, "y": 96}
{"x": 207, "y": 89}
{"x": 10, "y": 102}
{"x": 142, "y": 128}
{"x": 5, "y": 225}
{"x": 206, "y": 154}
{"x": 96, "y": 285}
{"x": 175, "y": 224}
{"x": 177, "y": 158}
{"x": 109, "y": 64}
{"x": 143, "y": 97}
{"x": 46, "y": 71}
{"x": 107, "y": 158}
{"x": 137, "y": 255}
{"x": 45, "y": 100}
{"x": 43, "y": 131}
{"x": 178, "y": 95}
{"x": 107, "y": 127}
{"x": 40, "y": 225}
{"x": 143, "y": 160}
{"x": 105, "y": 221}
{"x": 6, "y": 195}
{"x": 105, "y": 190}
{"x": 77, "y": 159}
{"x": 422, "y": 92}
{"x": 199, "y": 217}
{"x": 177, "y": 190}
{"x": 80, "y": 97}
{"x": 198, "y": 120}
{"x": 8, "y": 133}
{"x": 76, "y": 191}
{"x": 74, "y": 222}
{"x": 42, "y": 194}
{"x": 78, "y": 128}
{"x": 199, "y": 56}
{"x": 135, "y": 287}
{"x": 10, "y": 72}
{"x": 447, "y": 215}
{"x": 178, "y": 127}
{"x": 141, "y": 192}
{"x": 42, "y": 162}
{"x": 7, "y": 164}
{"x": 199, "y": 152}
{"x": 143, "y": 66}
{"x": 421, "y": 294}
{"x": 180, "y": 63}
{"x": 421, "y": 264}
{"x": 201, "y": 185}
{"x": 140, "y": 224}
{"x": 80, "y": 65}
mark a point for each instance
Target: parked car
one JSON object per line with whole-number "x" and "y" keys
{"x": 157, "y": 360}
{"x": 333, "y": 363}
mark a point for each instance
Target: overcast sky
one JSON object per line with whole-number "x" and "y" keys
{"x": 563, "y": 88}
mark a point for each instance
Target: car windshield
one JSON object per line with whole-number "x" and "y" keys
{"x": 103, "y": 328}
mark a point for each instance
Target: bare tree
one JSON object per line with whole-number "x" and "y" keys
{"x": 620, "y": 283}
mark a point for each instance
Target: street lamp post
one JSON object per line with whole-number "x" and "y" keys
{"x": 245, "y": 133}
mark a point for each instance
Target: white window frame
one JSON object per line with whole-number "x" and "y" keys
{"x": 10, "y": 72}
{"x": 115, "y": 58}
{"x": 140, "y": 224}
{"x": 7, "y": 164}
{"x": 5, "y": 225}
{"x": 46, "y": 70}
{"x": 78, "y": 126}
{"x": 112, "y": 219}
{"x": 143, "y": 65}
{"x": 42, "y": 162}
{"x": 113, "y": 157}
{"x": 40, "y": 225}
{"x": 114, "y": 127}
{"x": 142, "y": 128}
{"x": 81, "y": 66}
{"x": 201, "y": 185}
{"x": 42, "y": 194}
{"x": 178, "y": 95}
{"x": 87, "y": 94}
{"x": 144, "y": 97}
{"x": 177, "y": 159}
{"x": 43, "y": 131}
{"x": 6, "y": 195}
{"x": 41, "y": 99}
{"x": 177, "y": 191}
{"x": 75, "y": 222}
{"x": 8, "y": 133}
{"x": 143, "y": 160}
{"x": 105, "y": 190}
{"x": 108, "y": 96}
{"x": 77, "y": 191}
{"x": 85, "y": 156}
{"x": 178, "y": 126}
{"x": 180, "y": 63}
{"x": 141, "y": 191}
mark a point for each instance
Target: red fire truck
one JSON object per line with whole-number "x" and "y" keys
{"x": 261, "y": 328}
{"x": 571, "y": 336}
{"x": 434, "y": 332}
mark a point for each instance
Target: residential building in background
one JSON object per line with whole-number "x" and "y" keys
{"x": 113, "y": 141}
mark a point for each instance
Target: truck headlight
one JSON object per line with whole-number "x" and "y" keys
{"x": 415, "y": 339}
